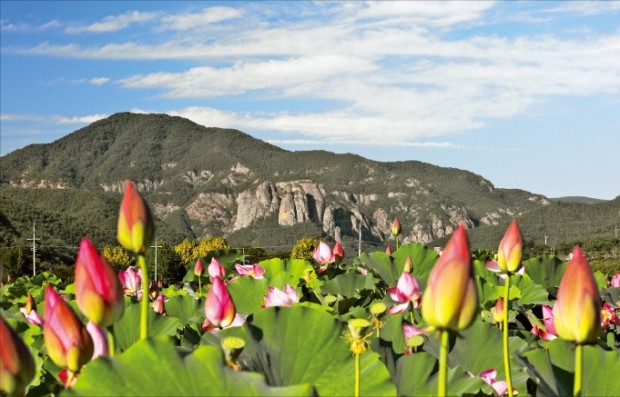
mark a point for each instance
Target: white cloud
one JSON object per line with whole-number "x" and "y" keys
{"x": 91, "y": 118}
{"x": 98, "y": 80}
{"x": 113, "y": 23}
{"x": 200, "y": 20}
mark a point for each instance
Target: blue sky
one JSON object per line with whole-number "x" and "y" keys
{"x": 526, "y": 94}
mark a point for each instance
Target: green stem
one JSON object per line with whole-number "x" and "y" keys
{"x": 144, "y": 304}
{"x": 505, "y": 336}
{"x": 396, "y": 243}
{"x": 111, "y": 345}
{"x": 578, "y": 365}
{"x": 199, "y": 286}
{"x": 357, "y": 375}
{"x": 443, "y": 364}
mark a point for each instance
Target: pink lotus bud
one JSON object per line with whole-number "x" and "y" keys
{"x": 159, "y": 305}
{"x": 98, "y": 291}
{"x": 135, "y": 222}
{"x": 488, "y": 376}
{"x": 451, "y": 299}
{"x": 68, "y": 343}
{"x": 615, "y": 281}
{"x": 131, "y": 282}
{"x": 17, "y": 366}
{"x": 510, "y": 249}
{"x": 219, "y": 306}
{"x": 323, "y": 255}
{"x": 395, "y": 227}
{"x": 33, "y": 317}
{"x": 608, "y": 316}
{"x": 388, "y": 250}
{"x": 30, "y": 304}
{"x": 255, "y": 271}
{"x": 277, "y": 297}
{"x": 100, "y": 340}
{"x": 216, "y": 270}
{"x": 578, "y": 307}
{"x": 408, "y": 265}
{"x": 199, "y": 268}
{"x": 497, "y": 311}
{"x": 338, "y": 252}
{"x": 407, "y": 291}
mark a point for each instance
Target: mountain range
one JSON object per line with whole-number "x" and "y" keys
{"x": 206, "y": 181}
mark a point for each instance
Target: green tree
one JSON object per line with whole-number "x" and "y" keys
{"x": 209, "y": 244}
{"x": 170, "y": 267}
{"x": 118, "y": 257}
{"x": 303, "y": 248}
{"x": 185, "y": 250}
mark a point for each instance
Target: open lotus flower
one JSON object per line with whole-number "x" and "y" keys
{"x": 219, "y": 306}
{"x": 489, "y": 376}
{"x": 407, "y": 291}
{"x": 159, "y": 305}
{"x": 451, "y": 299}
{"x": 100, "y": 340}
{"x": 68, "y": 343}
{"x": 277, "y": 297}
{"x": 131, "y": 280}
{"x": 98, "y": 292}
{"x": 395, "y": 227}
{"x": 615, "y": 280}
{"x": 510, "y": 249}
{"x": 338, "y": 252}
{"x": 135, "y": 223}
{"x": 17, "y": 366}
{"x": 549, "y": 333}
{"x": 254, "y": 271}
{"x": 323, "y": 255}
{"x": 411, "y": 330}
{"x": 216, "y": 270}
{"x": 608, "y": 316}
{"x": 30, "y": 311}
{"x": 578, "y": 307}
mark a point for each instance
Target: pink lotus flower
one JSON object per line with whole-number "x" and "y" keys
{"x": 277, "y": 297}
{"x": 216, "y": 270}
{"x": 549, "y": 333}
{"x": 17, "y": 367}
{"x": 407, "y": 291}
{"x": 135, "y": 223}
{"x": 338, "y": 252}
{"x": 159, "y": 305}
{"x": 323, "y": 255}
{"x": 395, "y": 228}
{"x": 388, "y": 250}
{"x": 608, "y": 316}
{"x": 131, "y": 282}
{"x": 510, "y": 249}
{"x": 489, "y": 376}
{"x": 68, "y": 343}
{"x": 577, "y": 311}
{"x": 199, "y": 268}
{"x": 410, "y": 331}
{"x": 255, "y": 271}
{"x": 219, "y": 306}
{"x": 497, "y": 312}
{"x": 30, "y": 311}
{"x": 100, "y": 340}
{"x": 615, "y": 280}
{"x": 97, "y": 289}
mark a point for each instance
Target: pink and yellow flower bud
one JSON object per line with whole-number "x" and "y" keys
{"x": 158, "y": 305}
{"x": 100, "y": 340}
{"x": 135, "y": 222}
{"x": 323, "y": 255}
{"x": 338, "y": 252}
{"x": 30, "y": 311}
{"x": 451, "y": 298}
{"x": 98, "y": 291}
{"x": 388, "y": 250}
{"x": 395, "y": 227}
{"x": 199, "y": 268}
{"x": 577, "y": 311}
{"x": 219, "y": 306}
{"x": 67, "y": 341}
{"x": 510, "y": 249}
{"x": 497, "y": 312}
{"x": 216, "y": 270}
{"x": 408, "y": 265}
{"x": 17, "y": 366}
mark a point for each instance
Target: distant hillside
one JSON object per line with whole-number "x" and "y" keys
{"x": 211, "y": 181}
{"x": 578, "y": 199}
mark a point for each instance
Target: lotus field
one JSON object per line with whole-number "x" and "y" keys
{"x": 407, "y": 322}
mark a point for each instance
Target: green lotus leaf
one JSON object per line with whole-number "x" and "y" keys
{"x": 127, "y": 329}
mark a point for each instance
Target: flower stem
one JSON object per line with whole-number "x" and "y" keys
{"x": 505, "y": 336}
{"x": 578, "y": 365}
{"x": 144, "y": 304}
{"x": 111, "y": 345}
{"x": 199, "y": 287}
{"x": 443, "y": 364}
{"x": 397, "y": 243}
{"x": 357, "y": 375}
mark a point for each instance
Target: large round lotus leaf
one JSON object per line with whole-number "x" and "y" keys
{"x": 155, "y": 367}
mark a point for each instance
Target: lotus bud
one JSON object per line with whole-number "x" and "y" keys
{"x": 159, "y": 305}
{"x": 395, "y": 227}
{"x": 216, "y": 270}
{"x": 498, "y": 311}
{"x": 255, "y": 271}
{"x": 451, "y": 299}
{"x": 98, "y": 291}
{"x": 577, "y": 311}
{"x": 323, "y": 255}
{"x": 199, "y": 268}
{"x": 510, "y": 249}
{"x": 30, "y": 304}
{"x": 100, "y": 340}
{"x": 615, "y": 281}
{"x": 67, "y": 341}
{"x": 388, "y": 250}
{"x": 408, "y": 265}
{"x": 131, "y": 281}
{"x": 219, "y": 306}
{"x": 30, "y": 311}
{"x": 338, "y": 252}
{"x": 17, "y": 366}
{"x": 135, "y": 222}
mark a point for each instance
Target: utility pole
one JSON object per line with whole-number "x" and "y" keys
{"x": 34, "y": 248}
{"x": 156, "y": 246}
{"x": 546, "y": 237}
{"x": 617, "y": 230}
{"x": 359, "y": 240}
